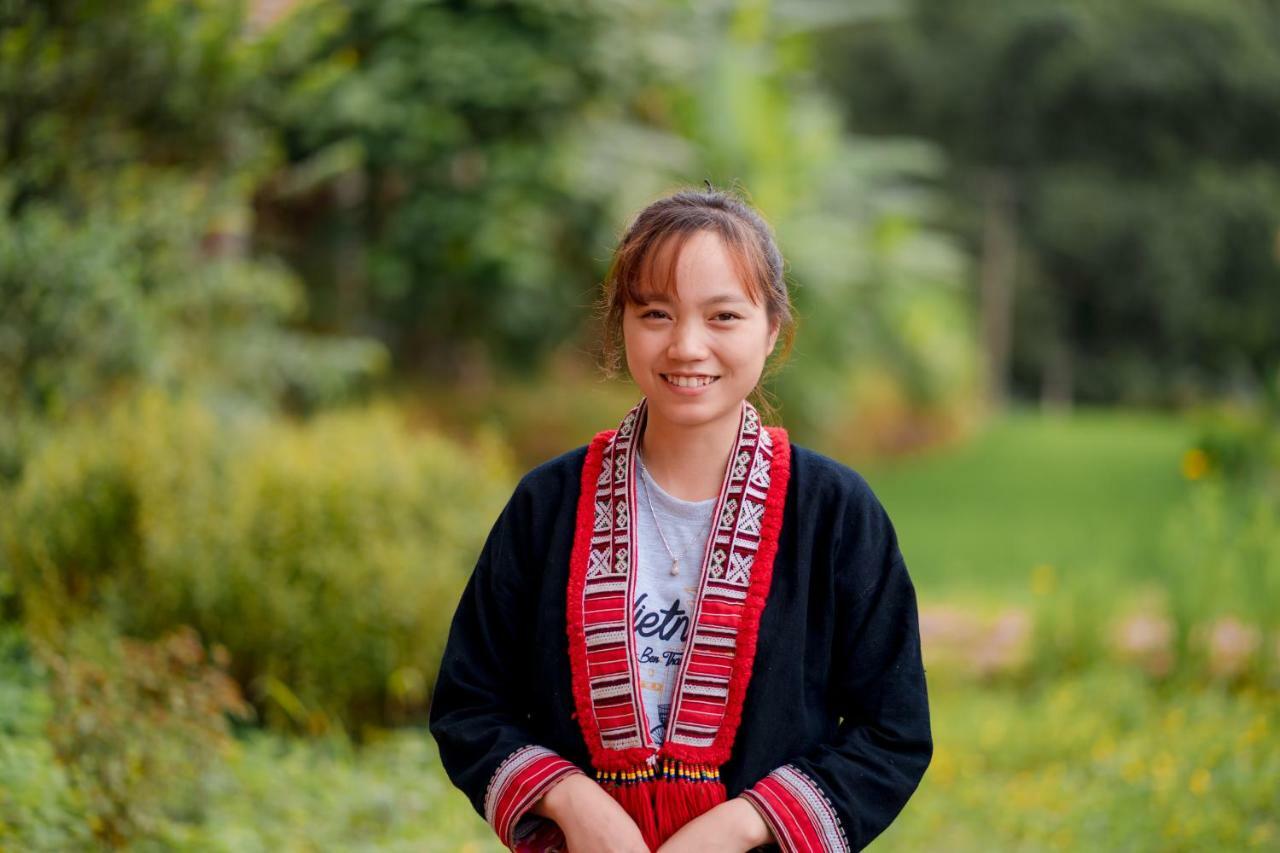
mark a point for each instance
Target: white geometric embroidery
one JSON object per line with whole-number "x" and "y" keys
{"x": 716, "y": 570}
{"x": 740, "y": 569}
{"x": 760, "y": 476}
{"x": 751, "y": 517}
{"x": 598, "y": 563}
{"x": 726, "y": 517}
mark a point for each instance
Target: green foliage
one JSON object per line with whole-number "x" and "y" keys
{"x": 327, "y": 557}
{"x": 137, "y": 725}
{"x": 1165, "y": 287}
{"x": 130, "y": 293}
{"x": 426, "y": 190}
{"x": 129, "y": 156}
{"x": 39, "y": 806}
{"x": 1221, "y": 558}
{"x": 325, "y": 794}
{"x": 1102, "y": 760}
{"x": 1241, "y": 443}
{"x": 1136, "y": 139}
{"x": 92, "y": 88}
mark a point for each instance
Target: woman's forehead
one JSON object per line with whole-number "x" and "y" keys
{"x": 660, "y": 273}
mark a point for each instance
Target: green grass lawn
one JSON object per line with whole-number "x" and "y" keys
{"x": 1087, "y": 494}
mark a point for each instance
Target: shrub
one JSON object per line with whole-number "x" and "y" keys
{"x": 40, "y": 809}
{"x": 326, "y": 556}
{"x": 138, "y": 725}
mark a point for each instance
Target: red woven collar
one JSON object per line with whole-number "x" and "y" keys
{"x": 734, "y": 584}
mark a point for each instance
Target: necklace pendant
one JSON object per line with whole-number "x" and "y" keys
{"x": 675, "y": 567}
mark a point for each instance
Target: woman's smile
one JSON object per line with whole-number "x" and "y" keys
{"x": 689, "y": 385}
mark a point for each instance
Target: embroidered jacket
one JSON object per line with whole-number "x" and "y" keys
{"x": 801, "y": 689}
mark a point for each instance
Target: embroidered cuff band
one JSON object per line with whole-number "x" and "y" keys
{"x": 799, "y": 813}
{"x": 522, "y": 778}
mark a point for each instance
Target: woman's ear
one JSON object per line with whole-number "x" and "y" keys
{"x": 773, "y": 334}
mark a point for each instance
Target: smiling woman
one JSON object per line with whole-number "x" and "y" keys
{"x": 710, "y": 256}
{"x": 689, "y": 634}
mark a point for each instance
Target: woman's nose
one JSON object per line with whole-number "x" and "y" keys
{"x": 687, "y": 342}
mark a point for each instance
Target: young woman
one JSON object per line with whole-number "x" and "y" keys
{"x": 689, "y": 634}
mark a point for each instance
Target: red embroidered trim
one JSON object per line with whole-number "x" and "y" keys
{"x": 798, "y": 812}
{"x": 602, "y": 758}
{"x": 712, "y": 684}
{"x": 757, "y": 595}
{"x": 522, "y": 778}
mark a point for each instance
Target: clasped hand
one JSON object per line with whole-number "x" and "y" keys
{"x": 594, "y": 822}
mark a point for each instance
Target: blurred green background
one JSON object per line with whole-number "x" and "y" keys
{"x": 293, "y": 291}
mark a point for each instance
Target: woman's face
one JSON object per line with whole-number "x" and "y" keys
{"x": 711, "y": 339}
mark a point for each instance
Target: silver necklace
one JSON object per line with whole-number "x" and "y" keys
{"x": 675, "y": 561}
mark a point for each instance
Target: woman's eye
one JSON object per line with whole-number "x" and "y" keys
{"x": 724, "y": 316}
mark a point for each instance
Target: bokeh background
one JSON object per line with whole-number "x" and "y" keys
{"x": 293, "y": 291}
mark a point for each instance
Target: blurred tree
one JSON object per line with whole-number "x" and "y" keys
{"x": 128, "y": 144}
{"x": 875, "y": 284}
{"x": 427, "y": 196}
{"x": 1115, "y": 160}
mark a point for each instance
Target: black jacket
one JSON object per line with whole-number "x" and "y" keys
{"x": 837, "y": 693}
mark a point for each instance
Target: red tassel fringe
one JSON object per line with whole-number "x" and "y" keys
{"x": 661, "y": 804}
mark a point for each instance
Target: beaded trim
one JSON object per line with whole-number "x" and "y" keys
{"x": 666, "y": 769}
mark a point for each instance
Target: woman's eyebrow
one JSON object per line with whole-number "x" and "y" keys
{"x": 730, "y": 298}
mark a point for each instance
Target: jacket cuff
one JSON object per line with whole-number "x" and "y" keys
{"x": 519, "y": 782}
{"x": 798, "y": 812}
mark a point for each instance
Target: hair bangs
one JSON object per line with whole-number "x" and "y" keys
{"x": 653, "y": 273}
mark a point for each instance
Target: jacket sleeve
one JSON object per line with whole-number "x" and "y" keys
{"x": 477, "y": 714}
{"x": 843, "y": 793}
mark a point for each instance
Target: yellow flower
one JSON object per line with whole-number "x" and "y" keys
{"x": 1195, "y": 464}
{"x": 1199, "y": 782}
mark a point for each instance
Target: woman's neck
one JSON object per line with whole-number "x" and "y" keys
{"x": 688, "y": 462}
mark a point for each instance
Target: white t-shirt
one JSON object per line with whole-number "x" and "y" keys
{"x": 663, "y": 610}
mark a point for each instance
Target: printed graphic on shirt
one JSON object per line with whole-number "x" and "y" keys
{"x": 669, "y": 530}
{"x": 662, "y": 623}
{"x": 661, "y": 634}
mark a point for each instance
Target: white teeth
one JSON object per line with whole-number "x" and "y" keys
{"x": 691, "y": 381}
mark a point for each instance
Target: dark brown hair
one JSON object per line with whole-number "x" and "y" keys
{"x": 657, "y": 236}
